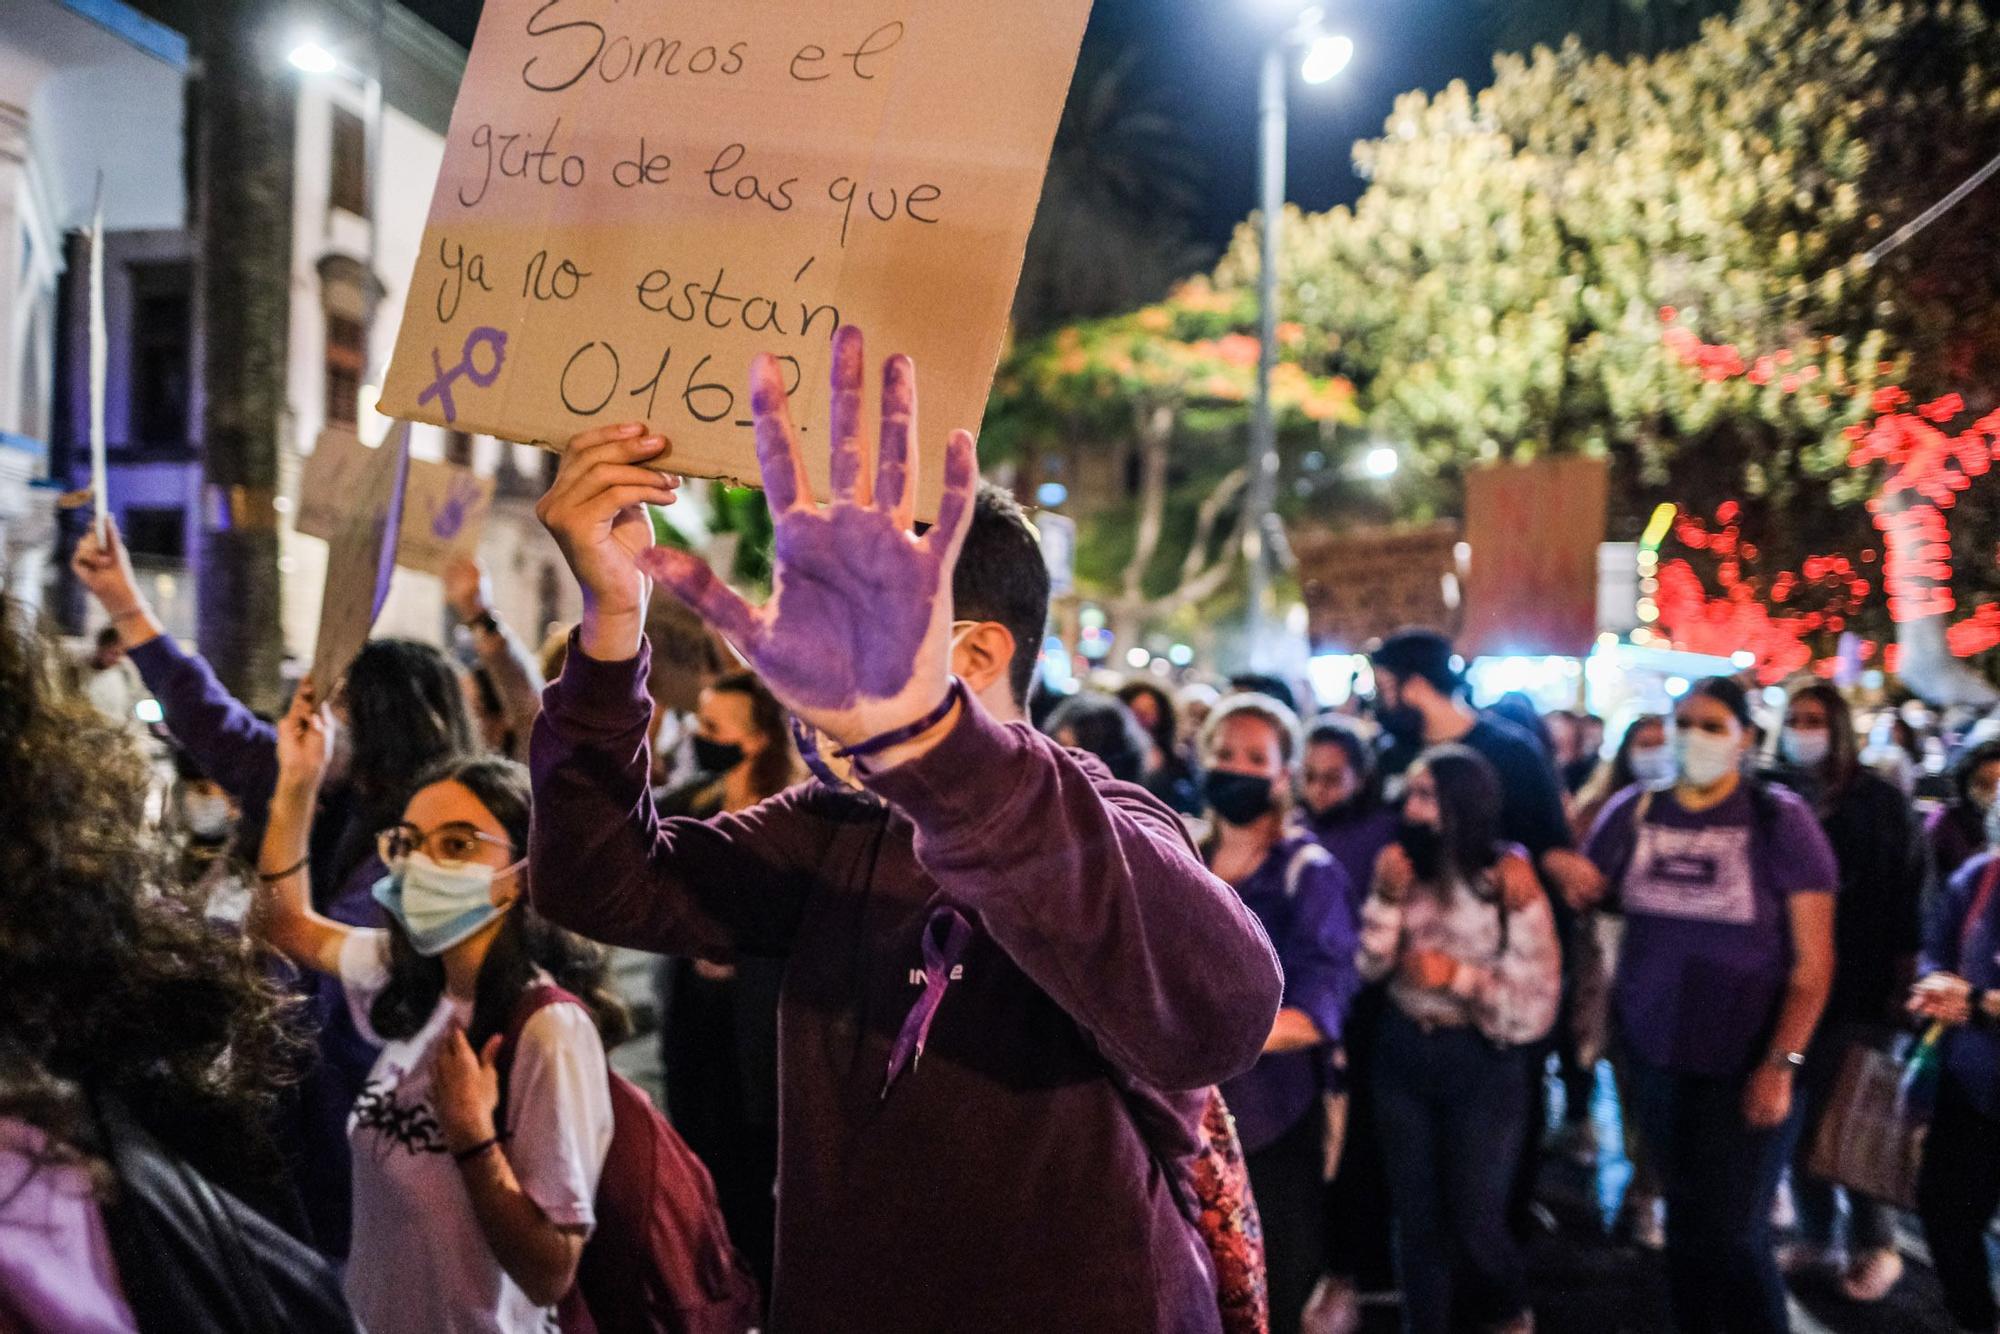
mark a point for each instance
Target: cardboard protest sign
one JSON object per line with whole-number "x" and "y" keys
{"x": 361, "y": 558}
{"x": 636, "y": 199}
{"x": 444, "y": 507}
{"x": 1534, "y": 529}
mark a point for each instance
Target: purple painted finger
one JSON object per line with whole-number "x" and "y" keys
{"x": 895, "y": 491}
{"x": 961, "y": 481}
{"x": 784, "y": 472}
{"x": 688, "y": 578}
{"x": 849, "y": 462}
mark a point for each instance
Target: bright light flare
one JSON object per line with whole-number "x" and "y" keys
{"x": 1326, "y": 57}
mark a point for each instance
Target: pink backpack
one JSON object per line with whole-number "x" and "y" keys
{"x": 660, "y": 1258}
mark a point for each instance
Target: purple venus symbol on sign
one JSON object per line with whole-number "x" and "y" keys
{"x": 460, "y": 499}
{"x": 467, "y": 368}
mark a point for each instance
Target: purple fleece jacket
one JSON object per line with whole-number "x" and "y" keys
{"x": 1029, "y": 1172}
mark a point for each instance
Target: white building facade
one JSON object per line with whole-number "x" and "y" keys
{"x": 66, "y": 64}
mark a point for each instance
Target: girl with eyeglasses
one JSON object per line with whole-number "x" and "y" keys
{"x": 467, "y": 1214}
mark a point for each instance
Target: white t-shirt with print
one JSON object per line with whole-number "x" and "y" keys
{"x": 420, "y": 1261}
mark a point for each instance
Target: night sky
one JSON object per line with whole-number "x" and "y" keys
{"x": 1199, "y": 61}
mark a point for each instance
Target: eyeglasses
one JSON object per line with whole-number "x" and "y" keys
{"x": 452, "y": 844}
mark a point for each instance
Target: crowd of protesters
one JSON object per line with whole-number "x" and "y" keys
{"x": 1194, "y": 1009}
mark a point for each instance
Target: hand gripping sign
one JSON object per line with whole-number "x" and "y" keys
{"x": 637, "y": 199}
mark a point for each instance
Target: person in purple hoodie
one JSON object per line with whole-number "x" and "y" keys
{"x": 404, "y": 707}
{"x": 1249, "y": 746}
{"x": 1010, "y": 982}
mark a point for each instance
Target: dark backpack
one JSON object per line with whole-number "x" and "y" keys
{"x": 660, "y": 1258}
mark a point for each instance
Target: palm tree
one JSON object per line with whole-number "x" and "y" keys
{"x": 242, "y": 179}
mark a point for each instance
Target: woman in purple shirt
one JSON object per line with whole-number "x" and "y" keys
{"x": 1727, "y": 889}
{"x": 1298, "y": 891}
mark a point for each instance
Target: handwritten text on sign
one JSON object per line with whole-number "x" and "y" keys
{"x": 638, "y": 197}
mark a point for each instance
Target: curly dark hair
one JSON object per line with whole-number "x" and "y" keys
{"x": 115, "y": 986}
{"x": 526, "y": 942}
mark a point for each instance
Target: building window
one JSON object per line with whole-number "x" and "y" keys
{"x": 458, "y": 448}
{"x": 345, "y": 358}
{"x": 348, "y": 187}
{"x": 162, "y": 374}
{"x": 157, "y": 531}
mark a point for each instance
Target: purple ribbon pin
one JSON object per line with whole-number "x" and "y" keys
{"x": 940, "y": 957}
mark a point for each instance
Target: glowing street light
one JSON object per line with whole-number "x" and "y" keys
{"x": 1325, "y": 57}
{"x": 309, "y": 57}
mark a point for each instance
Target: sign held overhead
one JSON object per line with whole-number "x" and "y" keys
{"x": 637, "y": 199}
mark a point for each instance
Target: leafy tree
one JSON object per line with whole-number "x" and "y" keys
{"x": 1157, "y": 401}
{"x": 1499, "y": 287}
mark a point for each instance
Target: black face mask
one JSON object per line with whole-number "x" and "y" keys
{"x": 716, "y": 757}
{"x": 1423, "y": 844}
{"x": 1404, "y": 722}
{"x": 1238, "y": 798}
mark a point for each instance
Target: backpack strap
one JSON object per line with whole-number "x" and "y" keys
{"x": 533, "y": 1001}
{"x": 1615, "y": 882}
{"x": 1307, "y": 854}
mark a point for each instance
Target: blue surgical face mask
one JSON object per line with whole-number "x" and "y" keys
{"x": 1652, "y": 766}
{"x": 439, "y": 906}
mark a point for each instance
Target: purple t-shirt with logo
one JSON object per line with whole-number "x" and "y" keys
{"x": 1708, "y": 940}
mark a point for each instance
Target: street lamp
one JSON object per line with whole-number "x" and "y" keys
{"x": 1326, "y": 54}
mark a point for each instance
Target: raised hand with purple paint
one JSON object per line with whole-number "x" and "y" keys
{"x": 856, "y": 638}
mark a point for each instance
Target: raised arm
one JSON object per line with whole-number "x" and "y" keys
{"x": 232, "y": 745}
{"x": 516, "y": 677}
{"x": 606, "y": 865}
{"x": 284, "y": 917}
{"x": 1096, "y": 893}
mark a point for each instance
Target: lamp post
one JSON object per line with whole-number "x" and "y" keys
{"x": 1325, "y": 55}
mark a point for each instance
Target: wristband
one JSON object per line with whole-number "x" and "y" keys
{"x": 464, "y": 1156}
{"x": 875, "y": 745}
{"x": 273, "y": 877}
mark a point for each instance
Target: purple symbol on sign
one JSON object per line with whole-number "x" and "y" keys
{"x": 440, "y": 388}
{"x": 459, "y": 501}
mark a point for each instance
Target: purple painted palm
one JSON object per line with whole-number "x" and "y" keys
{"x": 856, "y": 636}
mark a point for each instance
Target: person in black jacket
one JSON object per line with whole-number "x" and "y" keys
{"x": 1877, "y": 927}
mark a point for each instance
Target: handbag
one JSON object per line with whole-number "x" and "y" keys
{"x": 1871, "y": 1135}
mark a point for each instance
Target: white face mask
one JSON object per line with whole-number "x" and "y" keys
{"x": 207, "y": 816}
{"x": 1652, "y": 766}
{"x": 1704, "y": 758}
{"x": 1807, "y": 749}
